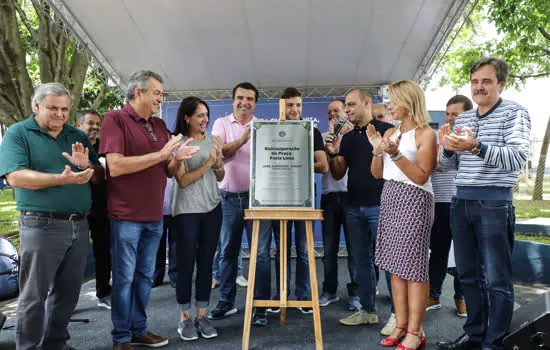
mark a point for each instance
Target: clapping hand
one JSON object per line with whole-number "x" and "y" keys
{"x": 389, "y": 146}
{"x": 71, "y": 178}
{"x": 459, "y": 142}
{"x": 375, "y": 138}
{"x": 79, "y": 156}
{"x": 185, "y": 151}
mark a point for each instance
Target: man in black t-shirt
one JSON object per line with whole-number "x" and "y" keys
{"x": 364, "y": 191}
{"x": 293, "y": 100}
{"x": 89, "y": 121}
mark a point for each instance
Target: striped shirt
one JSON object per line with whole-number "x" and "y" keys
{"x": 503, "y": 134}
{"x": 443, "y": 184}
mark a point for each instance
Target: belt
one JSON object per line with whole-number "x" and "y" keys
{"x": 226, "y": 194}
{"x": 44, "y": 214}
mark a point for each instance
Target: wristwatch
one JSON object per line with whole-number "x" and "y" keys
{"x": 332, "y": 155}
{"x": 477, "y": 149}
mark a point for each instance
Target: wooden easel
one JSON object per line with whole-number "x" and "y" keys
{"x": 283, "y": 215}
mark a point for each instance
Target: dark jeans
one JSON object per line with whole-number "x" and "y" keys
{"x": 233, "y": 223}
{"x": 160, "y": 264}
{"x": 134, "y": 248}
{"x": 100, "y": 231}
{"x": 362, "y": 222}
{"x": 52, "y": 261}
{"x": 440, "y": 243}
{"x": 302, "y": 285}
{"x": 333, "y": 205}
{"x": 483, "y": 234}
{"x": 197, "y": 237}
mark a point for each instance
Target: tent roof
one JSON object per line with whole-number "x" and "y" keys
{"x": 213, "y": 44}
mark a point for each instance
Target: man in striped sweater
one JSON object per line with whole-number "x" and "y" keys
{"x": 490, "y": 146}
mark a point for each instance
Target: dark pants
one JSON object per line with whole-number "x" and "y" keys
{"x": 53, "y": 257}
{"x": 302, "y": 285}
{"x": 483, "y": 234}
{"x": 440, "y": 243}
{"x": 160, "y": 264}
{"x": 233, "y": 223}
{"x": 197, "y": 237}
{"x": 100, "y": 232}
{"x": 333, "y": 205}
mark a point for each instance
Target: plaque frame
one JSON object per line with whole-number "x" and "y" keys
{"x": 306, "y": 171}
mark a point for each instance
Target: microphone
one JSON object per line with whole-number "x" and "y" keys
{"x": 339, "y": 127}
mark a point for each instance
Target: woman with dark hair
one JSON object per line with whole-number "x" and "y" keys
{"x": 197, "y": 217}
{"x": 405, "y": 157}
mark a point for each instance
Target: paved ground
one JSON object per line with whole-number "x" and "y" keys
{"x": 298, "y": 334}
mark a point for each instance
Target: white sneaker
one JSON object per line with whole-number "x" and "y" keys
{"x": 241, "y": 281}
{"x": 215, "y": 283}
{"x": 390, "y": 326}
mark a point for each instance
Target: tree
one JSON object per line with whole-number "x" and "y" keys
{"x": 36, "y": 47}
{"x": 523, "y": 41}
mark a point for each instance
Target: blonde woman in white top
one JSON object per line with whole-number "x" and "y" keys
{"x": 405, "y": 157}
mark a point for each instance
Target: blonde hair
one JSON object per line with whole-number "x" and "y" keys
{"x": 409, "y": 95}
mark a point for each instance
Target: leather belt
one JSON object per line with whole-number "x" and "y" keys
{"x": 43, "y": 214}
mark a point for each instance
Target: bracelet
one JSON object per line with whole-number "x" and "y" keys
{"x": 85, "y": 167}
{"x": 398, "y": 156}
{"x": 377, "y": 155}
{"x": 332, "y": 155}
{"x": 218, "y": 169}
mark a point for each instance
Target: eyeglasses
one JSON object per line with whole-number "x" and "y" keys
{"x": 150, "y": 131}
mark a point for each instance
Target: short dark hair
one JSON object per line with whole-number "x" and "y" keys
{"x": 339, "y": 100}
{"x": 461, "y": 99}
{"x": 188, "y": 107}
{"x": 500, "y": 66}
{"x": 80, "y": 115}
{"x": 247, "y": 86}
{"x": 290, "y": 92}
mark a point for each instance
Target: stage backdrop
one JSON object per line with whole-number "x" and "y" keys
{"x": 313, "y": 108}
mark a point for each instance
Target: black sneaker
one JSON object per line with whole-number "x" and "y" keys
{"x": 222, "y": 310}
{"x": 306, "y": 310}
{"x": 259, "y": 318}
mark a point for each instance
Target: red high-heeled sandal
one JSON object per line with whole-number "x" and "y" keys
{"x": 422, "y": 342}
{"x": 389, "y": 341}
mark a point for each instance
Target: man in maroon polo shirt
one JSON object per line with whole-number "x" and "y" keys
{"x": 139, "y": 157}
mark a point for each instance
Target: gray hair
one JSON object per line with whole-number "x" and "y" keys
{"x": 500, "y": 66}
{"x": 140, "y": 80}
{"x": 48, "y": 89}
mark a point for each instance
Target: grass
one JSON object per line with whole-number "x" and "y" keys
{"x": 528, "y": 209}
{"x": 535, "y": 238}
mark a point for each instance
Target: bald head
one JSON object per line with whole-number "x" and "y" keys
{"x": 380, "y": 112}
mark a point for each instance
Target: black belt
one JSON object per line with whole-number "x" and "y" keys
{"x": 226, "y": 194}
{"x": 44, "y": 214}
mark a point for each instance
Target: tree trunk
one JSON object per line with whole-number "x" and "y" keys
{"x": 539, "y": 180}
{"x": 100, "y": 98}
{"x": 16, "y": 88}
{"x": 75, "y": 80}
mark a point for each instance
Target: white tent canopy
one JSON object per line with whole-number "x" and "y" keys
{"x": 210, "y": 45}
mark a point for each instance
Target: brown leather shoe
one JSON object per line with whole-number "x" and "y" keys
{"x": 123, "y": 346}
{"x": 150, "y": 340}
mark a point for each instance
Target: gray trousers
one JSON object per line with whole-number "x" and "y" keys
{"x": 53, "y": 257}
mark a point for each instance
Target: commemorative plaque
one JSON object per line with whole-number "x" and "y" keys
{"x": 281, "y": 164}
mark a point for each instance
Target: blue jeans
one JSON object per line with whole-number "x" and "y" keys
{"x": 362, "y": 222}
{"x": 160, "y": 265}
{"x": 302, "y": 285}
{"x": 233, "y": 223}
{"x": 333, "y": 205}
{"x": 483, "y": 233}
{"x": 440, "y": 243}
{"x": 134, "y": 247}
{"x": 216, "y": 264}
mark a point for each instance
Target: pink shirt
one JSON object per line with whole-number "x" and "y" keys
{"x": 237, "y": 167}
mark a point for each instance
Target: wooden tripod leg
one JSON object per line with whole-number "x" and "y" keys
{"x": 251, "y": 280}
{"x": 314, "y": 287}
{"x": 283, "y": 292}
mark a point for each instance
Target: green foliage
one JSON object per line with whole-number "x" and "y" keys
{"x": 522, "y": 40}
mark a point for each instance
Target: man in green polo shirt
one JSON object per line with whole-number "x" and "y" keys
{"x": 50, "y": 164}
